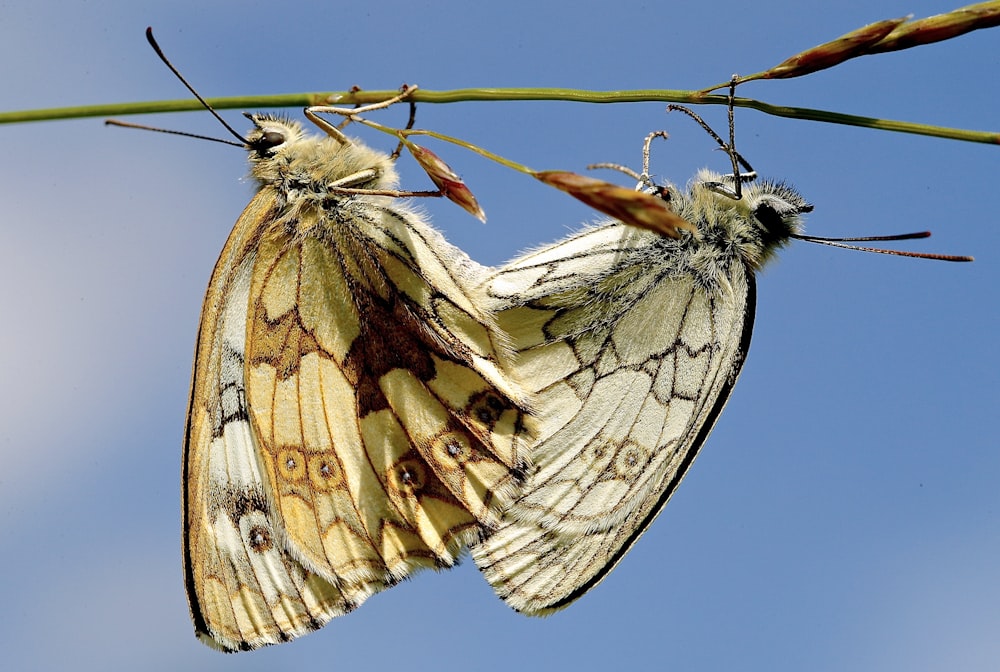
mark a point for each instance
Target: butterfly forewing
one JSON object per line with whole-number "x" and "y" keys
{"x": 349, "y": 423}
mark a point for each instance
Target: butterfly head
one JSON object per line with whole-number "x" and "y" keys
{"x": 271, "y": 135}
{"x": 274, "y": 143}
{"x": 764, "y": 219}
{"x": 284, "y": 155}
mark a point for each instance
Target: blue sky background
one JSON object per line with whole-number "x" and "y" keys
{"x": 845, "y": 514}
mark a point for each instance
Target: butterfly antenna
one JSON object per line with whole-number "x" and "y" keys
{"x": 142, "y": 127}
{"x": 842, "y": 243}
{"x": 163, "y": 57}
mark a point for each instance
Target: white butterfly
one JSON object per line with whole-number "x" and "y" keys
{"x": 632, "y": 343}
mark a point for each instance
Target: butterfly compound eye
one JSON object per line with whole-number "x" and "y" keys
{"x": 270, "y": 139}
{"x": 768, "y": 216}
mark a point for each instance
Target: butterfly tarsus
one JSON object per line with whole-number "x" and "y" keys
{"x": 352, "y": 113}
{"x": 736, "y": 193}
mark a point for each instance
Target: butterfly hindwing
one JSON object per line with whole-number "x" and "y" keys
{"x": 631, "y": 343}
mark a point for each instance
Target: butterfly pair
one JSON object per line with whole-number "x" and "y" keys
{"x": 367, "y": 401}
